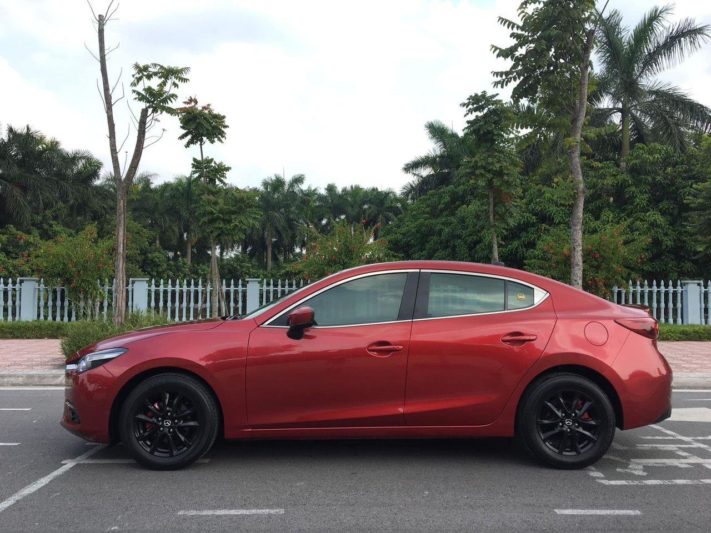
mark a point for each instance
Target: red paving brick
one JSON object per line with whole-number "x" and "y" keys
{"x": 45, "y": 354}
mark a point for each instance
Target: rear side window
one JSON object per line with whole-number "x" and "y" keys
{"x": 518, "y": 296}
{"x": 459, "y": 294}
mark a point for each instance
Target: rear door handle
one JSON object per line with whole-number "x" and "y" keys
{"x": 383, "y": 349}
{"x": 517, "y": 339}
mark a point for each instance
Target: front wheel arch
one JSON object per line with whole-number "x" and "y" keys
{"x": 137, "y": 379}
{"x": 583, "y": 371}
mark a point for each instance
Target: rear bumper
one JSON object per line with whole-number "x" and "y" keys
{"x": 647, "y": 379}
{"x": 87, "y": 404}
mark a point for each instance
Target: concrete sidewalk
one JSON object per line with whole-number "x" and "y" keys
{"x": 40, "y": 362}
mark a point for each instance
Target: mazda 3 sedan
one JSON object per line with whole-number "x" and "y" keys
{"x": 416, "y": 349}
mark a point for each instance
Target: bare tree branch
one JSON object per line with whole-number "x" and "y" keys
{"x": 101, "y": 95}
{"x": 118, "y": 79}
{"x": 128, "y": 132}
{"x": 155, "y": 139}
{"x": 123, "y": 95}
{"x": 93, "y": 13}
{"x": 92, "y": 54}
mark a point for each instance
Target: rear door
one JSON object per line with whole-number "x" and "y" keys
{"x": 473, "y": 338}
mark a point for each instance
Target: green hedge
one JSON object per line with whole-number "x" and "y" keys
{"x": 39, "y": 329}
{"x": 670, "y": 332}
{"x": 86, "y": 332}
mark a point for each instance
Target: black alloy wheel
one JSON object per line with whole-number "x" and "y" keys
{"x": 566, "y": 421}
{"x": 169, "y": 421}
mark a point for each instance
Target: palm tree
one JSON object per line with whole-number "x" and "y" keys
{"x": 437, "y": 168}
{"x": 646, "y": 108}
{"x": 35, "y": 172}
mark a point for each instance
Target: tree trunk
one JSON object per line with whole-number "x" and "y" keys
{"x": 189, "y": 248}
{"x": 576, "y": 219}
{"x": 214, "y": 280}
{"x": 268, "y": 237}
{"x": 123, "y": 183}
{"x": 120, "y": 264}
{"x": 492, "y": 226}
{"x": 625, "y": 137}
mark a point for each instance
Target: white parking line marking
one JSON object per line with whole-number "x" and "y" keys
{"x": 690, "y": 390}
{"x": 15, "y": 408}
{"x": 33, "y": 487}
{"x": 690, "y": 440}
{"x": 690, "y": 414}
{"x": 697, "y": 399}
{"x": 598, "y": 512}
{"x": 9, "y": 443}
{"x": 654, "y": 481}
{"x": 29, "y": 388}
{"x": 227, "y": 512}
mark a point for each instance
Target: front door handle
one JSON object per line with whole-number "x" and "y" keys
{"x": 517, "y": 339}
{"x": 383, "y": 349}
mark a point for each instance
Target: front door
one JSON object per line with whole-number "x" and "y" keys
{"x": 347, "y": 371}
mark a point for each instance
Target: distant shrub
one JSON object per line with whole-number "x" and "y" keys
{"x": 36, "y": 329}
{"x": 85, "y": 332}
{"x": 672, "y": 332}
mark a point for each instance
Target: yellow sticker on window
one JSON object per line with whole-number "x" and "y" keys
{"x": 520, "y": 296}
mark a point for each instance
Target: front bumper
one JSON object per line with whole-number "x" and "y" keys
{"x": 87, "y": 403}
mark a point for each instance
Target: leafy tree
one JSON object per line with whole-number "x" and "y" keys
{"x": 491, "y": 161}
{"x": 340, "y": 249}
{"x": 437, "y": 168}
{"x": 76, "y": 262}
{"x": 39, "y": 177}
{"x": 550, "y": 56}
{"x": 153, "y": 86}
{"x": 646, "y": 108}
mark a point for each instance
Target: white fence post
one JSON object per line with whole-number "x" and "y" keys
{"x": 139, "y": 291}
{"x": 691, "y": 302}
{"x": 28, "y": 298}
{"x": 252, "y": 294}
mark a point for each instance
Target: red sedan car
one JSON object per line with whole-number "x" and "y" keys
{"x": 407, "y": 349}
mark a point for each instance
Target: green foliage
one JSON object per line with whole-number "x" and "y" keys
{"x": 648, "y": 110}
{"x": 674, "y": 332}
{"x": 344, "y": 247}
{"x": 154, "y": 86}
{"x": 611, "y": 256}
{"x": 227, "y": 214}
{"x": 36, "y": 329}
{"x": 15, "y": 250}
{"x": 86, "y": 332}
{"x": 76, "y": 262}
{"x": 201, "y": 125}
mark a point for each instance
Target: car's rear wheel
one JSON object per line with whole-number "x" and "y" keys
{"x": 566, "y": 421}
{"x": 168, "y": 421}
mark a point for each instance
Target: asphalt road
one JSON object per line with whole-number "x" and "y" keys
{"x": 653, "y": 479}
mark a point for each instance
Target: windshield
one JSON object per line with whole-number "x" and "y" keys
{"x": 266, "y": 307}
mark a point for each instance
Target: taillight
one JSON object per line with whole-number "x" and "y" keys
{"x": 647, "y": 327}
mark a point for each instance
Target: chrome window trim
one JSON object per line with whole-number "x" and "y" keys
{"x": 267, "y": 324}
{"x": 539, "y": 296}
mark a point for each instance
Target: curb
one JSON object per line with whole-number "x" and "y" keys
{"x": 36, "y": 378}
{"x": 691, "y": 380}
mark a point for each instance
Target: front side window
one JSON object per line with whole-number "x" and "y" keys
{"x": 365, "y": 300}
{"x": 459, "y": 294}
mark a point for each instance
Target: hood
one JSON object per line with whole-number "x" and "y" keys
{"x": 144, "y": 333}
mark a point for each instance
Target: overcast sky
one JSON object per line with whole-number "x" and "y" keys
{"x": 334, "y": 89}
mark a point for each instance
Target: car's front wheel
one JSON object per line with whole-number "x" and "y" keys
{"x": 566, "y": 421}
{"x": 168, "y": 421}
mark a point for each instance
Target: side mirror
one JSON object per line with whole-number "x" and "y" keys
{"x": 299, "y": 320}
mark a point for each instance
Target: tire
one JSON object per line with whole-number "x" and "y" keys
{"x": 566, "y": 421}
{"x": 168, "y": 421}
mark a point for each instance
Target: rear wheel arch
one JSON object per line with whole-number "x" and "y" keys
{"x": 583, "y": 371}
{"x": 139, "y": 378}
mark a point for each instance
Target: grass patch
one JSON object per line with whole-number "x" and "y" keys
{"x": 672, "y": 332}
{"x": 36, "y": 329}
{"x": 86, "y": 332}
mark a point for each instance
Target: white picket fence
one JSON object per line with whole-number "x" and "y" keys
{"x": 178, "y": 300}
{"x": 680, "y": 302}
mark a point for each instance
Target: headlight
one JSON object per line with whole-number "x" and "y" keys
{"x": 94, "y": 359}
